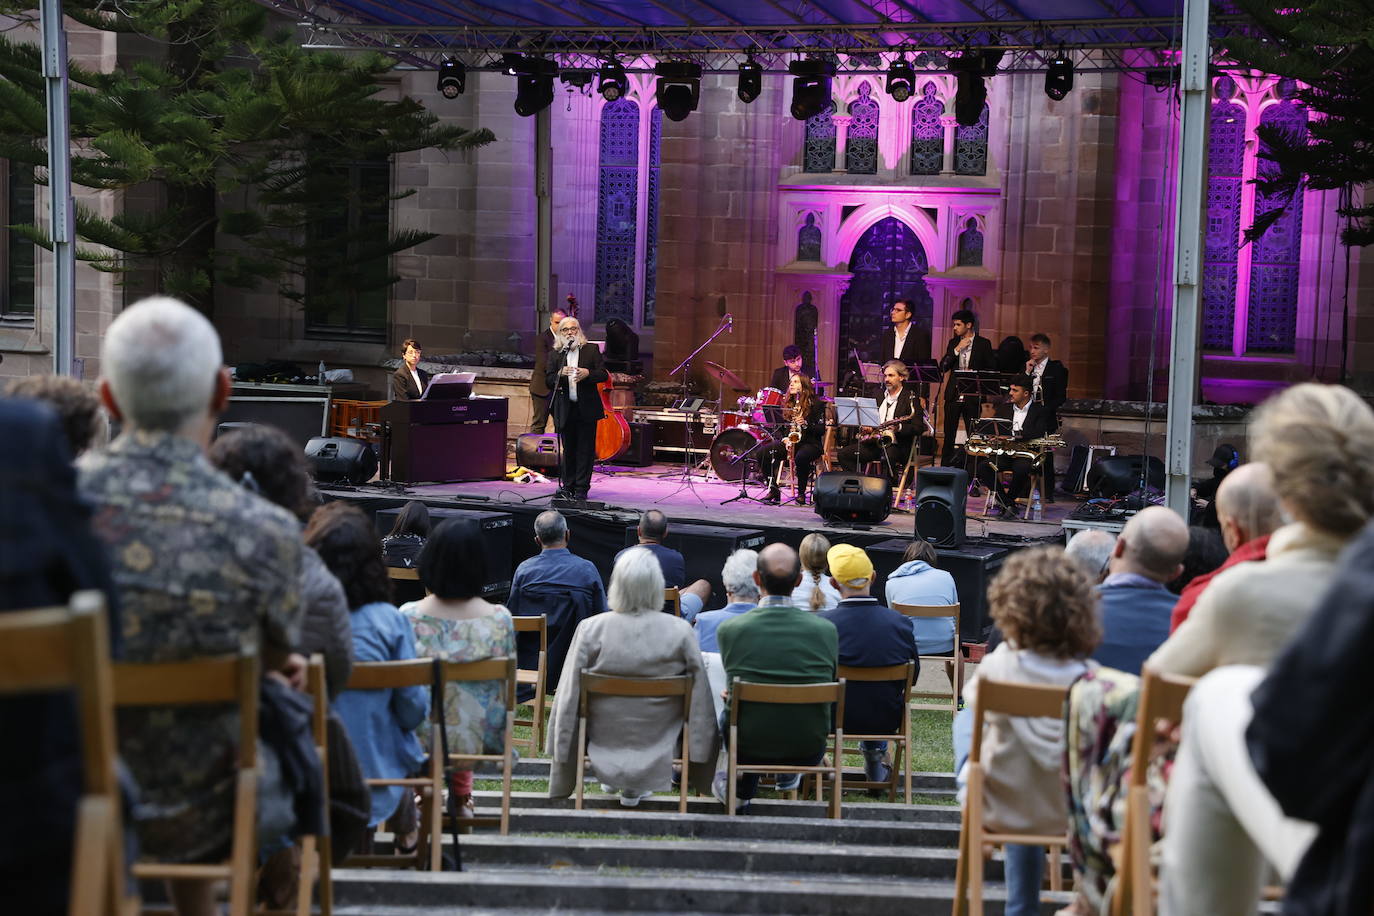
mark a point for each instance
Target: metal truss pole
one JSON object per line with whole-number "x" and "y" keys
{"x": 62, "y": 212}
{"x": 543, "y": 195}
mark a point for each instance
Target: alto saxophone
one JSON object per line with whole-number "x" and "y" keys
{"x": 796, "y": 424}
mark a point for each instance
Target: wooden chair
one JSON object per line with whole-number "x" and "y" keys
{"x": 1026, "y": 700}
{"x": 901, "y": 757}
{"x": 491, "y": 669}
{"x": 954, "y": 664}
{"x": 537, "y": 677}
{"x": 672, "y": 601}
{"x": 418, "y": 672}
{"x": 605, "y": 685}
{"x": 1161, "y": 697}
{"x": 68, "y": 647}
{"x": 789, "y": 694}
{"x": 403, "y": 573}
{"x": 231, "y": 679}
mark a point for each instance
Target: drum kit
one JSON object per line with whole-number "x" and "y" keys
{"x": 745, "y": 431}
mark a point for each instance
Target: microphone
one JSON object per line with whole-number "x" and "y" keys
{"x": 730, "y": 322}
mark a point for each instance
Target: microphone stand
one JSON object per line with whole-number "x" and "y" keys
{"x": 685, "y": 367}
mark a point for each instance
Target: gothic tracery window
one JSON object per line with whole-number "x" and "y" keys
{"x": 809, "y": 240}
{"x": 820, "y": 142}
{"x": 1272, "y": 317}
{"x": 971, "y": 147}
{"x": 970, "y": 245}
{"x": 1225, "y": 167}
{"x": 861, "y": 138}
{"x": 927, "y": 133}
{"x": 618, "y": 213}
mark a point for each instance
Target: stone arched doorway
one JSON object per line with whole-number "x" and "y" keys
{"x": 888, "y": 263}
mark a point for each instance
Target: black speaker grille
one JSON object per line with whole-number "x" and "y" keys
{"x": 935, "y": 521}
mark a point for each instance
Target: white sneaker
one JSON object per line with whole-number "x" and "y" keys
{"x": 787, "y": 782}
{"x": 630, "y": 798}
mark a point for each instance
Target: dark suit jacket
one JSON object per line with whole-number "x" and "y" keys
{"x": 782, "y": 377}
{"x": 982, "y": 357}
{"x": 1037, "y": 419}
{"x": 872, "y": 636}
{"x": 543, "y": 346}
{"x": 588, "y": 406}
{"x": 1054, "y": 390}
{"x": 917, "y": 345}
{"x": 907, "y": 403}
{"x": 403, "y": 386}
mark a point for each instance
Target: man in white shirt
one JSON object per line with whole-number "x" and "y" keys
{"x": 891, "y": 444}
{"x": 1027, "y": 422}
{"x": 1050, "y": 387}
{"x": 905, "y": 340}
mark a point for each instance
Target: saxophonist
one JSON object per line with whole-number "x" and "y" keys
{"x": 1029, "y": 420}
{"x": 900, "y": 419}
{"x": 804, "y": 414}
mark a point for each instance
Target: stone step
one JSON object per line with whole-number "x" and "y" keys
{"x": 923, "y": 782}
{"x": 853, "y": 809}
{"x": 358, "y": 892}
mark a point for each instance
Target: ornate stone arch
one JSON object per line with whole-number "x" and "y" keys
{"x": 916, "y": 219}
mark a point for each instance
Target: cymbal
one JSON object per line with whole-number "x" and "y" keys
{"x": 717, "y": 371}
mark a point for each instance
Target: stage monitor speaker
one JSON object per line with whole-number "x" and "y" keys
{"x": 704, "y": 549}
{"x": 941, "y": 496}
{"x": 338, "y": 459}
{"x": 973, "y": 567}
{"x": 640, "y": 454}
{"x": 1119, "y": 475}
{"x": 498, "y": 543}
{"x": 846, "y": 497}
{"x": 539, "y": 451}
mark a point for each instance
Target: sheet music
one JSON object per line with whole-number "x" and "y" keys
{"x": 856, "y": 412}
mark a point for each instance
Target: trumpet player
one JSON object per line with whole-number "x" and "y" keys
{"x": 900, "y": 419}
{"x": 1029, "y": 420}
{"x": 804, "y": 419}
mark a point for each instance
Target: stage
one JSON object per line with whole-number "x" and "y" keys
{"x": 705, "y": 527}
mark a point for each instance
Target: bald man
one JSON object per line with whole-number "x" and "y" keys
{"x": 1248, "y": 512}
{"x": 1135, "y": 602}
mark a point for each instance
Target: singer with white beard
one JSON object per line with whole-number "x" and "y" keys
{"x": 573, "y": 372}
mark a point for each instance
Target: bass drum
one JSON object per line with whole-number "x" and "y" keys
{"x": 729, "y": 447}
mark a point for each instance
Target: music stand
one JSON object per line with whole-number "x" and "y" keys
{"x": 983, "y": 384}
{"x": 856, "y": 412}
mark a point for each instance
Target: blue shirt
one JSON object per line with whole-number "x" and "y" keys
{"x": 670, "y": 561}
{"x": 709, "y": 621}
{"x": 1135, "y": 620}
{"x": 561, "y": 567}
{"x": 381, "y": 723}
{"x": 917, "y": 582}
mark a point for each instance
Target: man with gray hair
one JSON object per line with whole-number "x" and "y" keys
{"x": 1135, "y": 602}
{"x": 559, "y": 584}
{"x": 741, "y": 594}
{"x": 1092, "y": 548}
{"x": 202, "y": 567}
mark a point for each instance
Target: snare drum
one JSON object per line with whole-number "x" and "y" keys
{"x": 729, "y": 419}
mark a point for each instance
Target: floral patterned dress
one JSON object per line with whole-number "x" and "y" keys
{"x": 474, "y": 712}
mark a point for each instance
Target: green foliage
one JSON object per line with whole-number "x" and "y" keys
{"x": 1328, "y": 46}
{"x": 241, "y": 150}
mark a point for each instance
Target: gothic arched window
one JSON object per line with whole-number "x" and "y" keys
{"x": 1272, "y": 317}
{"x": 861, "y": 138}
{"x": 809, "y": 240}
{"x": 927, "y": 133}
{"x": 970, "y": 245}
{"x": 1221, "y": 242}
{"x": 618, "y": 214}
{"x": 819, "y": 155}
{"x": 971, "y": 147}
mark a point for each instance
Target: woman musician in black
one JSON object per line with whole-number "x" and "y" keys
{"x": 802, "y": 436}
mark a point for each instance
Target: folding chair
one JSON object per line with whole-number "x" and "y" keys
{"x": 418, "y": 672}
{"x": 200, "y": 682}
{"x": 407, "y": 579}
{"x": 788, "y": 694}
{"x": 954, "y": 664}
{"x": 672, "y": 601}
{"x": 605, "y": 685}
{"x": 1025, "y": 700}
{"x": 403, "y": 573}
{"x": 536, "y": 677}
{"x": 1161, "y": 697}
{"x": 491, "y": 669}
{"x": 68, "y": 647}
{"x": 901, "y": 757}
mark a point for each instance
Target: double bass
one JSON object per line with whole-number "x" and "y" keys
{"x": 612, "y": 430}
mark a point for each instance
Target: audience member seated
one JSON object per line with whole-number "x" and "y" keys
{"x": 380, "y": 723}
{"x": 47, "y": 552}
{"x": 1046, "y": 608}
{"x": 739, "y": 577}
{"x": 1248, "y": 512}
{"x": 777, "y": 643}
{"x": 558, "y": 583}
{"x": 453, "y": 622}
{"x": 76, "y": 403}
{"x": 870, "y": 636}
{"x": 402, "y": 545}
{"x": 264, "y": 460}
{"x": 653, "y": 528}
{"x": 918, "y": 582}
{"x": 815, "y": 593}
{"x": 1311, "y": 437}
{"x": 1205, "y": 554}
{"x": 191, "y": 581}
{"x": 1309, "y": 734}
{"x": 631, "y": 741}
{"x": 1092, "y": 549}
{"x": 1135, "y": 602}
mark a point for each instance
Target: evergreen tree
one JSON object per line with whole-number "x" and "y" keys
{"x": 1328, "y": 46}
{"x": 250, "y": 158}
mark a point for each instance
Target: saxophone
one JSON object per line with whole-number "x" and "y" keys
{"x": 796, "y": 423}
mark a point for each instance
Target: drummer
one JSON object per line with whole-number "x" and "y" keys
{"x": 781, "y": 381}
{"x": 1028, "y": 421}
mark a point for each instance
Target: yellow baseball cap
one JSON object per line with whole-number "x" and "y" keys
{"x": 850, "y": 565}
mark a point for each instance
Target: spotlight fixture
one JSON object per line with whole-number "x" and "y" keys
{"x": 613, "y": 82}
{"x": 811, "y": 86}
{"x": 533, "y": 82}
{"x": 750, "y": 80}
{"x": 972, "y": 93}
{"x": 901, "y": 80}
{"x": 679, "y": 87}
{"x": 1059, "y": 77}
{"x": 453, "y": 78}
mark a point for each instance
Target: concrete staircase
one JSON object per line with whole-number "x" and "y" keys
{"x": 782, "y": 857}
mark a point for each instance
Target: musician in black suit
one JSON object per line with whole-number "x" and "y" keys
{"x": 891, "y": 444}
{"x": 539, "y": 386}
{"x": 966, "y": 350}
{"x": 409, "y": 381}
{"x": 1051, "y": 388}
{"x": 572, "y": 375}
{"x": 903, "y": 340}
{"x": 1028, "y": 421}
{"x": 791, "y": 365}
